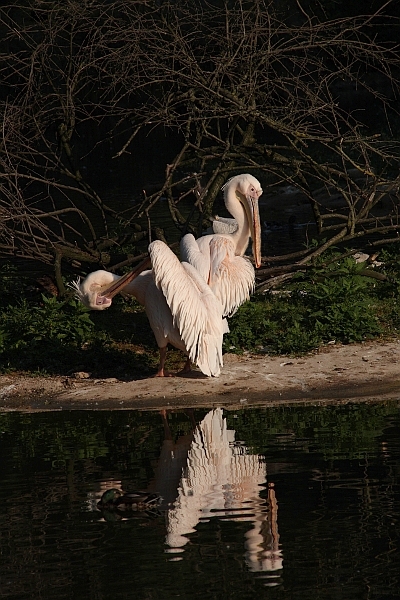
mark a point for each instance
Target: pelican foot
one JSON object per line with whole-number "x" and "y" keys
{"x": 164, "y": 373}
{"x": 186, "y": 369}
{"x": 183, "y": 372}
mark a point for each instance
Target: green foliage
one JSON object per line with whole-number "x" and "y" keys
{"x": 53, "y": 320}
{"x": 3, "y": 339}
{"x": 46, "y": 335}
{"x": 336, "y": 302}
{"x": 11, "y": 284}
{"x": 333, "y": 301}
{"x": 43, "y": 336}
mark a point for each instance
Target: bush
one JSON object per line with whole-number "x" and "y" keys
{"x": 67, "y": 322}
{"x": 52, "y": 336}
{"x": 45, "y": 337}
{"x": 336, "y": 303}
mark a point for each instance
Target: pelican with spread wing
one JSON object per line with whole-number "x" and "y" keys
{"x": 181, "y": 308}
{"x": 186, "y": 302}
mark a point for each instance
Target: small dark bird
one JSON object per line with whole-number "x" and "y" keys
{"x": 115, "y": 499}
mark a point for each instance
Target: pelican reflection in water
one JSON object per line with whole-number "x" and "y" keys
{"x": 206, "y": 474}
{"x": 222, "y": 479}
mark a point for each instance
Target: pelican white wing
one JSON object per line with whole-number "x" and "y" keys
{"x": 196, "y": 311}
{"x": 230, "y": 277}
{"x": 190, "y": 253}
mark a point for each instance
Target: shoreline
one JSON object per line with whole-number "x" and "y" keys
{"x": 366, "y": 372}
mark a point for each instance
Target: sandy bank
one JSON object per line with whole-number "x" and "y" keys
{"x": 362, "y": 372}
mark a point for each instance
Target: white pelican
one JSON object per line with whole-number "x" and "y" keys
{"x": 219, "y": 257}
{"x": 180, "y": 306}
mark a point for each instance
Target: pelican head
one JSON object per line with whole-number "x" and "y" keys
{"x": 247, "y": 190}
{"x": 98, "y": 289}
{"x": 90, "y": 290}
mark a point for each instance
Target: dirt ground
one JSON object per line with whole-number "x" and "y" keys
{"x": 362, "y": 372}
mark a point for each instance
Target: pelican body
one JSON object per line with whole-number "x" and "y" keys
{"x": 219, "y": 257}
{"x": 181, "y": 308}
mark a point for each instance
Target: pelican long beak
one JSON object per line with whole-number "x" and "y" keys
{"x": 123, "y": 281}
{"x": 253, "y": 215}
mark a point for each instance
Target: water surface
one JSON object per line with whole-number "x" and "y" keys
{"x": 289, "y": 502}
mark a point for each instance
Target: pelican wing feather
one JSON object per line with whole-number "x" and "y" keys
{"x": 230, "y": 277}
{"x": 196, "y": 311}
{"x": 191, "y": 253}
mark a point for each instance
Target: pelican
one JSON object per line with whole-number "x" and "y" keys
{"x": 219, "y": 257}
{"x": 181, "y": 308}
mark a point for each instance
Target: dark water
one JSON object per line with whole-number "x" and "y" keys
{"x": 286, "y": 502}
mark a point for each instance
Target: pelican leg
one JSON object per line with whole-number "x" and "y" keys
{"x": 161, "y": 371}
{"x": 187, "y": 367}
